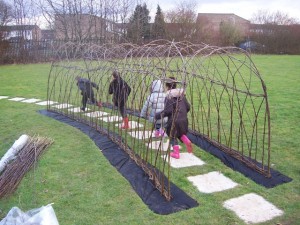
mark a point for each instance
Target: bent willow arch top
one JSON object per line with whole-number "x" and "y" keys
{"x": 229, "y": 103}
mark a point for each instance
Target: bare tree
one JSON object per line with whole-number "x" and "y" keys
{"x": 5, "y": 13}
{"x": 277, "y": 18}
{"x": 276, "y": 31}
{"x": 20, "y": 12}
{"x": 24, "y": 12}
{"x": 182, "y": 21}
{"x": 5, "y": 17}
{"x": 89, "y": 19}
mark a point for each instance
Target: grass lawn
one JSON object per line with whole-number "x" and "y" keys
{"x": 85, "y": 189}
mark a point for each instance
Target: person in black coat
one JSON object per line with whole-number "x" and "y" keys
{"x": 120, "y": 91}
{"x": 176, "y": 109}
{"x": 86, "y": 87}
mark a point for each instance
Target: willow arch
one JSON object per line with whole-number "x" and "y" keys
{"x": 227, "y": 94}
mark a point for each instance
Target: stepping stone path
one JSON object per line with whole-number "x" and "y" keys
{"x": 160, "y": 144}
{"x": 46, "y": 102}
{"x": 251, "y": 208}
{"x": 141, "y": 134}
{"x": 132, "y": 125}
{"x": 63, "y": 106}
{"x": 77, "y": 110}
{"x": 111, "y": 119}
{"x": 96, "y": 114}
{"x": 16, "y": 99}
{"x": 212, "y": 182}
{"x": 185, "y": 160}
{"x": 31, "y": 100}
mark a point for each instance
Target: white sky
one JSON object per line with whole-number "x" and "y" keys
{"x": 243, "y": 8}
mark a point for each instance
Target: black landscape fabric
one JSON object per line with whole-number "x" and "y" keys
{"x": 138, "y": 179}
{"x": 235, "y": 164}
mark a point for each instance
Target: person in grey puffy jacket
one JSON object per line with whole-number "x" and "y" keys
{"x": 155, "y": 102}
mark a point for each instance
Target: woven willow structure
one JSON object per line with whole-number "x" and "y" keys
{"x": 229, "y": 104}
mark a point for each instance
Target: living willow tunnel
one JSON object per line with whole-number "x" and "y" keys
{"x": 229, "y": 103}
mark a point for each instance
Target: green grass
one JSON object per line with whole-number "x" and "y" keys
{"x": 86, "y": 189}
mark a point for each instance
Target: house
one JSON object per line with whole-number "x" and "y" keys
{"x": 214, "y": 20}
{"x": 17, "y": 32}
{"x": 84, "y": 27}
{"x": 207, "y": 28}
{"x": 47, "y": 35}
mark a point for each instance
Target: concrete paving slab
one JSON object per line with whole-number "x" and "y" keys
{"x": 16, "y": 99}
{"x": 96, "y": 114}
{"x": 159, "y": 145}
{"x": 77, "y": 110}
{"x": 132, "y": 125}
{"x": 31, "y": 100}
{"x": 111, "y": 119}
{"x": 46, "y": 102}
{"x": 212, "y": 182}
{"x": 185, "y": 160}
{"x": 3, "y": 97}
{"x": 142, "y": 134}
{"x": 63, "y": 106}
{"x": 252, "y": 208}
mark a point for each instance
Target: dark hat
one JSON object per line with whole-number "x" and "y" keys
{"x": 116, "y": 74}
{"x": 171, "y": 82}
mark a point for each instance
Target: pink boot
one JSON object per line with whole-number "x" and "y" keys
{"x": 162, "y": 132}
{"x": 187, "y": 143}
{"x": 175, "y": 154}
{"x": 157, "y": 133}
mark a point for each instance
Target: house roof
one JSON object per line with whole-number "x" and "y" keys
{"x": 83, "y": 15}
{"x": 18, "y": 27}
{"x": 221, "y": 15}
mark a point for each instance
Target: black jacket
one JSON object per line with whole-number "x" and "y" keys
{"x": 176, "y": 109}
{"x": 85, "y": 85}
{"x": 120, "y": 90}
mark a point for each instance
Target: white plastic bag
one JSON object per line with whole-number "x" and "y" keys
{"x": 13, "y": 151}
{"x": 40, "y": 216}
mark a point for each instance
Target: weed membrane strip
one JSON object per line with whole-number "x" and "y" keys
{"x": 235, "y": 164}
{"x": 196, "y": 138}
{"x": 138, "y": 179}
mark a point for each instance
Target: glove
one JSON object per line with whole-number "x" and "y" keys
{"x": 99, "y": 104}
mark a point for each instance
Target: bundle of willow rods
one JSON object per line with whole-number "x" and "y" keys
{"x": 27, "y": 157}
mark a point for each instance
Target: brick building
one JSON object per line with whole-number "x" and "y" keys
{"x": 84, "y": 26}
{"x": 214, "y": 20}
{"x": 17, "y": 32}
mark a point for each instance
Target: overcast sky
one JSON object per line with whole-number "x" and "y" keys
{"x": 242, "y": 8}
